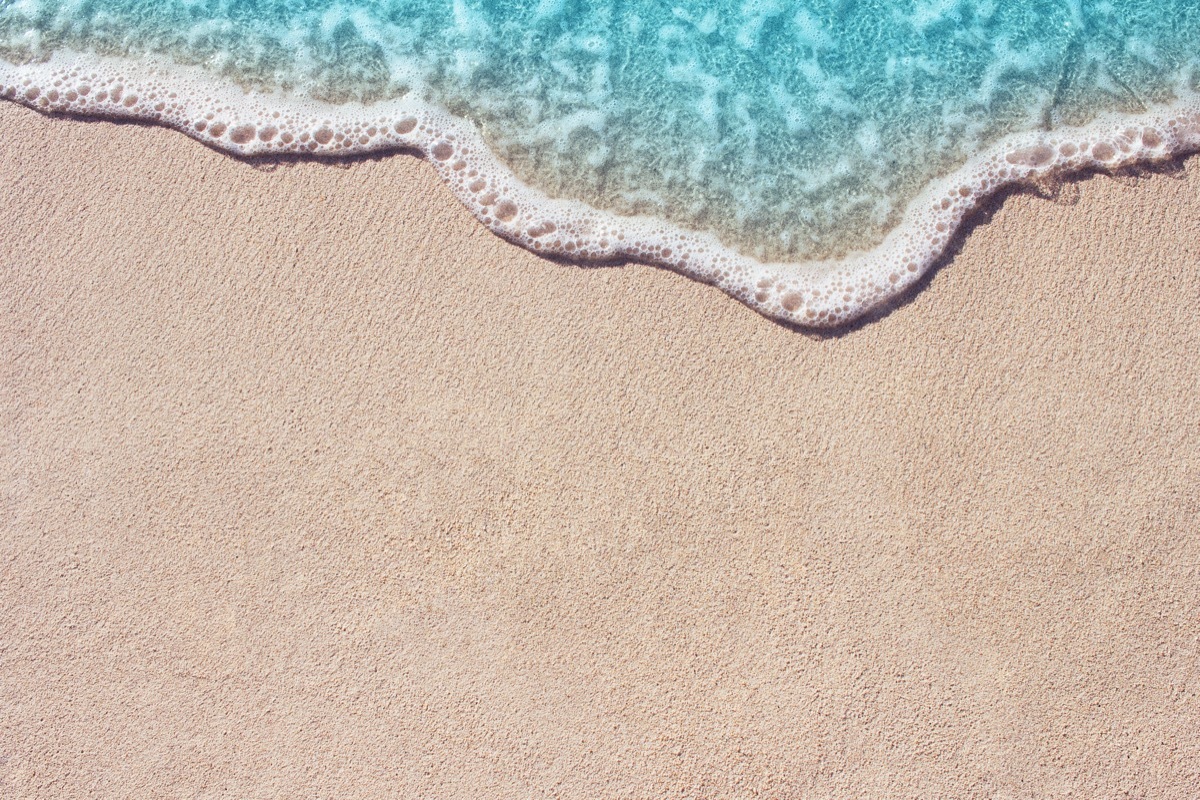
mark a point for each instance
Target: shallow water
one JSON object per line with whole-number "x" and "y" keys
{"x": 791, "y": 129}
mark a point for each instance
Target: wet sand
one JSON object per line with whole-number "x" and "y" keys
{"x": 312, "y": 487}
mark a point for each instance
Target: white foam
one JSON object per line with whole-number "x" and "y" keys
{"x": 817, "y": 294}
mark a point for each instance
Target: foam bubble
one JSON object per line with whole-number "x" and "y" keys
{"x": 817, "y": 293}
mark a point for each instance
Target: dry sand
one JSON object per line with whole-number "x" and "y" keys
{"x": 312, "y": 488}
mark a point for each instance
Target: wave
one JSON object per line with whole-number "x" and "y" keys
{"x": 819, "y": 293}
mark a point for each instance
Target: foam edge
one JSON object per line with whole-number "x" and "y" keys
{"x": 817, "y": 294}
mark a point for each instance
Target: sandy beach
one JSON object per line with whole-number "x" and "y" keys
{"x": 314, "y": 488}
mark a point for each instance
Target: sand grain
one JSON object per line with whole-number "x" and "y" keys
{"x": 311, "y": 488}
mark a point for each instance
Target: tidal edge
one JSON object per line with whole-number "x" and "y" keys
{"x": 816, "y": 294}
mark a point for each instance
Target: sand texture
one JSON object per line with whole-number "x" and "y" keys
{"x": 313, "y": 488}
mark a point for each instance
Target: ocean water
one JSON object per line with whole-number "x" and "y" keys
{"x": 798, "y": 149}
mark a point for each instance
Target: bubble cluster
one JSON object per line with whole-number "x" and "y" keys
{"x": 815, "y": 294}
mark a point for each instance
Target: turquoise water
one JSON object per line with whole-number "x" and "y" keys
{"x": 792, "y": 129}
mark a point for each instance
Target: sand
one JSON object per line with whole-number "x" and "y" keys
{"x": 313, "y": 488}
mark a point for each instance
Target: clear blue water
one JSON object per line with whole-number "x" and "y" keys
{"x": 792, "y": 129}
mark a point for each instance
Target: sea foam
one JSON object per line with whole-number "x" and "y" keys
{"x": 824, "y": 293}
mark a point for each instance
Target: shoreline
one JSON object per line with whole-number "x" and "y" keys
{"x": 817, "y": 294}
{"x": 313, "y": 487}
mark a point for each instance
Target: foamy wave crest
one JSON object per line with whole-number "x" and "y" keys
{"x": 817, "y": 294}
